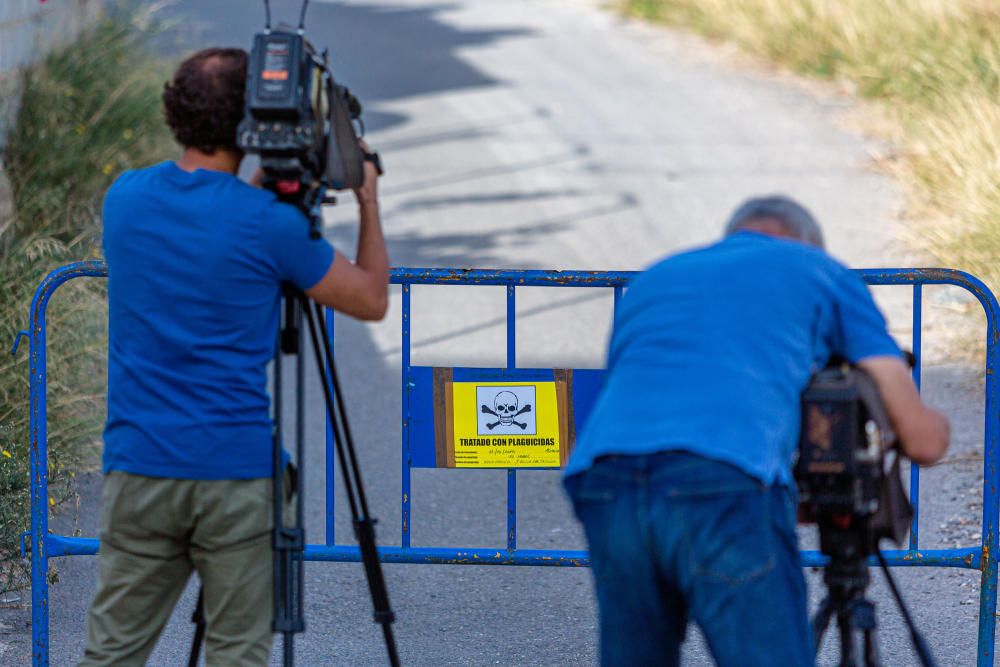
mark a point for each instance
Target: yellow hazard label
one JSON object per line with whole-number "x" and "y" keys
{"x": 506, "y": 425}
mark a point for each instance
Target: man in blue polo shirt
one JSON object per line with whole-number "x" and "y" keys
{"x": 682, "y": 475}
{"x": 196, "y": 262}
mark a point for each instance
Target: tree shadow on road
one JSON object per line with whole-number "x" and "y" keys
{"x": 382, "y": 52}
{"x": 478, "y": 248}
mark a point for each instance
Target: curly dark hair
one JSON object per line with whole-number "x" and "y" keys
{"x": 204, "y": 100}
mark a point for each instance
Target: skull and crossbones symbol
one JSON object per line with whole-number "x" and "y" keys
{"x": 505, "y": 409}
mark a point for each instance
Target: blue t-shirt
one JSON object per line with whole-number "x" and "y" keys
{"x": 196, "y": 262}
{"x": 712, "y": 348}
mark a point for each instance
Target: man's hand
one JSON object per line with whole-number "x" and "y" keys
{"x": 257, "y": 180}
{"x": 923, "y": 432}
{"x": 367, "y": 194}
{"x": 360, "y": 288}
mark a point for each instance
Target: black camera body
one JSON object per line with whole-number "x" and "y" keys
{"x": 299, "y": 120}
{"x": 848, "y": 463}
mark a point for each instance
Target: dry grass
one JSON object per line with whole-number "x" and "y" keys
{"x": 87, "y": 113}
{"x": 934, "y": 68}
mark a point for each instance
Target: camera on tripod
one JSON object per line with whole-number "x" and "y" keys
{"x": 302, "y": 125}
{"x": 850, "y": 486}
{"x": 300, "y": 121}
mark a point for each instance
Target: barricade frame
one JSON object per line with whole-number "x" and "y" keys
{"x": 982, "y": 557}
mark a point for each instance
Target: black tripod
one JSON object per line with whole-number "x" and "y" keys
{"x": 847, "y": 578}
{"x": 289, "y": 540}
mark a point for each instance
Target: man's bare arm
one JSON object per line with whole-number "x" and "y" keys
{"x": 923, "y": 431}
{"x": 360, "y": 289}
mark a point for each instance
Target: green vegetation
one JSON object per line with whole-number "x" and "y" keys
{"x": 933, "y": 66}
{"x": 87, "y": 113}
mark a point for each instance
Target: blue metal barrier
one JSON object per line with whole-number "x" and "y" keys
{"x": 44, "y": 545}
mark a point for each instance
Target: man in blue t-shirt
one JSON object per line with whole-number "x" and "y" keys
{"x": 197, "y": 259}
{"x": 682, "y": 474}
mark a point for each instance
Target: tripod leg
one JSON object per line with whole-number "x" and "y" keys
{"x": 848, "y": 638}
{"x": 865, "y": 623}
{"x": 821, "y": 620}
{"x": 364, "y": 524}
{"x": 871, "y": 649}
{"x": 287, "y": 541}
{"x": 279, "y": 573}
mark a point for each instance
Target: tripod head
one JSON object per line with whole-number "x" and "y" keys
{"x": 846, "y": 575}
{"x": 850, "y": 541}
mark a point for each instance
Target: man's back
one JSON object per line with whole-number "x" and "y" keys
{"x": 682, "y": 474}
{"x": 712, "y": 348}
{"x": 196, "y": 262}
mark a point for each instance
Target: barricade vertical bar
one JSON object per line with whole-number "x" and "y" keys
{"x": 39, "y": 471}
{"x": 405, "y": 364}
{"x": 991, "y": 540}
{"x": 38, "y": 455}
{"x": 918, "y": 292}
{"x": 619, "y": 291}
{"x": 511, "y": 329}
{"x": 511, "y": 473}
{"x": 331, "y": 458}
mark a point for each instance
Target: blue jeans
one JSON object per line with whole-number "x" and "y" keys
{"x": 673, "y": 536}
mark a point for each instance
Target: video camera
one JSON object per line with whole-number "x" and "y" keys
{"x": 848, "y": 466}
{"x": 300, "y": 121}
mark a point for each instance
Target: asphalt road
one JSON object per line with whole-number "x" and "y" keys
{"x": 550, "y": 134}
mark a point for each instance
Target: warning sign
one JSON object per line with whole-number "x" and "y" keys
{"x": 506, "y": 424}
{"x": 506, "y": 410}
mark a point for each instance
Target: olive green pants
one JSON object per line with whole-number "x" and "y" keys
{"x": 154, "y": 533}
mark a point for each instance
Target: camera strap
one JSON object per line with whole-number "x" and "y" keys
{"x": 892, "y": 519}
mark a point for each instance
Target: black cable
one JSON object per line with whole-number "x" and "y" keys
{"x": 919, "y": 643}
{"x": 267, "y": 16}
{"x": 198, "y": 618}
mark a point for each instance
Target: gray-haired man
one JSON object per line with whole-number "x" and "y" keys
{"x": 682, "y": 476}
